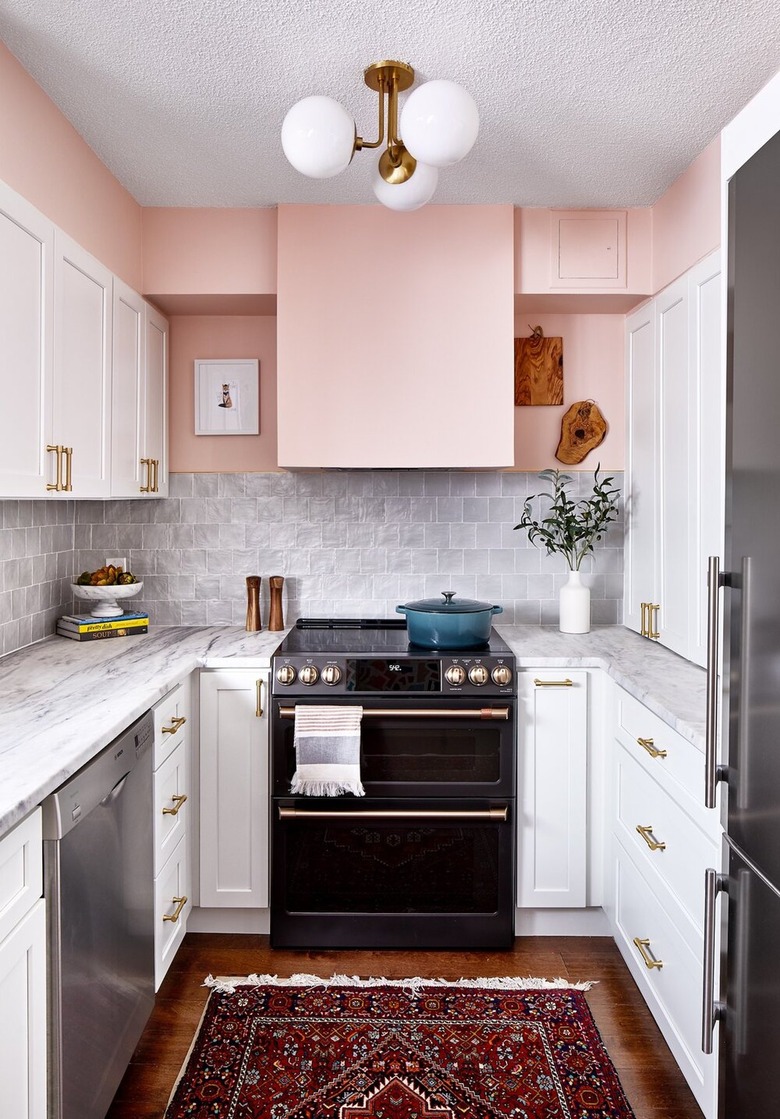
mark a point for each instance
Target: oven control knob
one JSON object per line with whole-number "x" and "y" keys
{"x": 331, "y": 674}
{"x": 308, "y": 674}
{"x": 286, "y": 674}
{"x": 501, "y": 675}
{"x": 455, "y": 674}
{"x": 478, "y": 675}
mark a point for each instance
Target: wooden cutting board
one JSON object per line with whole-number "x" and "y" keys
{"x": 582, "y": 428}
{"x": 538, "y": 369}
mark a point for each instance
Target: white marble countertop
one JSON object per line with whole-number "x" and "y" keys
{"x": 63, "y": 701}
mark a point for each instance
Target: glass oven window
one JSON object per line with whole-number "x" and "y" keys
{"x": 391, "y": 867}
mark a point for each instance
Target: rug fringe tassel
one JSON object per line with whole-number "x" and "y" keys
{"x": 413, "y": 986}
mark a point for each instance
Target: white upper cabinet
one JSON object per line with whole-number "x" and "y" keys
{"x": 26, "y": 324}
{"x": 139, "y": 397}
{"x": 81, "y": 419}
{"x": 396, "y": 337}
{"x": 83, "y": 370}
{"x": 674, "y": 466}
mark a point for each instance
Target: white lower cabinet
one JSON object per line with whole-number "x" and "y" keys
{"x": 23, "y": 972}
{"x": 173, "y": 824}
{"x": 662, "y": 841}
{"x": 234, "y": 821}
{"x": 552, "y": 860}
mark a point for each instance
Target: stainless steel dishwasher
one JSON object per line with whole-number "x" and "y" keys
{"x": 99, "y": 882}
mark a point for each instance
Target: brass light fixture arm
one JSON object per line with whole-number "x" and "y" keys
{"x": 388, "y": 79}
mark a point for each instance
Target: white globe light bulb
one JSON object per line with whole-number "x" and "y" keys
{"x": 439, "y": 123}
{"x": 318, "y": 137}
{"x": 412, "y": 194}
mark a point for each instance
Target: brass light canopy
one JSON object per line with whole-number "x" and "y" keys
{"x": 439, "y": 122}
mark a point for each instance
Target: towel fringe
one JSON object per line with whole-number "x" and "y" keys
{"x": 304, "y": 787}
{"x": 413, "y": 987}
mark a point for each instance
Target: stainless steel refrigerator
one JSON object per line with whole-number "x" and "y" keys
{"x": 749, "y": 1009}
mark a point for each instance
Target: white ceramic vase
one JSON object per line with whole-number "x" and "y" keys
{"x": 574, "y": 605}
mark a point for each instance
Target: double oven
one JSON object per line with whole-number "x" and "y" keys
{"x": 426, "y": 859}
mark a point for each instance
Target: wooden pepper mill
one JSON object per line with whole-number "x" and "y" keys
{"x": 275, "y": 617}
{"x": 253, "y": 603}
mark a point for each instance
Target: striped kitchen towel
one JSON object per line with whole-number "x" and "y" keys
{"x": 327, "y": 751}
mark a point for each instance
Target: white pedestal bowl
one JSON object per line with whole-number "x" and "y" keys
{"x": 105, "y": 600}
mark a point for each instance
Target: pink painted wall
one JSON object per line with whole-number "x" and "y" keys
{"x": 209, "y": 251}
{"x": 43, "y": 158}
{"x": 593, "y": 361}
{"x": 686, "y": 219}
{"x": 225, "y": 336}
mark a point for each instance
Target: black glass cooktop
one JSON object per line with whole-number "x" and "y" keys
{"x": 366, "y": 636}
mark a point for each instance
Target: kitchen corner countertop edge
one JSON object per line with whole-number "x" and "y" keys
{"x": 62, "y": 701}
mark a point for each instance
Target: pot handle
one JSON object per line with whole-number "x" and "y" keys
{"x": 496, "y": 609}
{"x": 400, "y": 609}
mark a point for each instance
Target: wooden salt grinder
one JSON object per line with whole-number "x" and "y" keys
{"x": 253, "y": 603}
{"x": 275, "y": 618}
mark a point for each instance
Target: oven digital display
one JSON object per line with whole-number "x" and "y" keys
{"x": 385, "y": 674}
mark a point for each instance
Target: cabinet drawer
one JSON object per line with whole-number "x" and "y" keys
{"x": 172, "y": 905}
{"x": 674, "y": 762}
{"x": 172, "y": 795}
{"x": 21, "y": 871}
{"x": 673, "y": 991}
{"x": 673, "y": 848}
{"x": 171, "y": 721}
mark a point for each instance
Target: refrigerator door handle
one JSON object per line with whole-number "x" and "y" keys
{"x": 712, "y": 1011}
{"x": 712, "y": 771}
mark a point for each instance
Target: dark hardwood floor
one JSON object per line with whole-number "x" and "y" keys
{"x": 648, "y": 1073}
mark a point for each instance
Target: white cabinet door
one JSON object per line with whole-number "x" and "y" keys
{"x": 641, "y": 464}
{"x": 26, "y": 329}
{"x": 23, "y": 1017}
{"x": 82, "y": 367}
{"x": 128, "y": 474}
{"x": 234, "y": 820}
{"x": 552, "y": 788}
{"x": 677, "y": 502}
{"x": 155, "y": 425}
{"x": 707, "y": 443}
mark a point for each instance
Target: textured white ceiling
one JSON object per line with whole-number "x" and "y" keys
{"x": 582, "y": 103}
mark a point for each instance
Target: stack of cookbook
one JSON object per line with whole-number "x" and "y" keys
{"x": 85, "y": 627}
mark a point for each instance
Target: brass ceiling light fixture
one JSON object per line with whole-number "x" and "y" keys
{"x": 439, "y": 123}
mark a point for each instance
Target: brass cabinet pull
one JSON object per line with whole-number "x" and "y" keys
{"x": 500, "y": 814}
{"x": 58, "y": 448}
{"x": 177, "y": 721}
{"x": 421, "y": 713}
{"x": 652, "y": 618}
{"x": 178, "y": 800}
{"x": 155, "y": 464}
{"x": 554, "y": 683}
{"x": 68, "y": 454}
{"x": 643, "y": 627}
{"x": 259, "y": 701}
{"x": 646, "y": 831}
{"x": 653, "y": 751}
{"x": 147, "y": 462}
{"x": 179, "y": 903}
{"x": 643, "y": 946}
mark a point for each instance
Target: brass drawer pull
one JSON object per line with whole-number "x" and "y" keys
{"x": 643, "y": 946}
{"x": 177, "y": 721}
{"x": 259, "y": 704}
{"x": 178, "y": 800}
{"x": 652, "y": 749}
{"x": 646, "y": 831}
{"x": 58, "y": 449}
{"x": 554, "y": 683}
{"x": 179, "y": 903}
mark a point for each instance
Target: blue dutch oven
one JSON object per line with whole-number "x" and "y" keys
{"x": 448, "y": 624}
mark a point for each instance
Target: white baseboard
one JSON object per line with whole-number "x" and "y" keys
{"x": 561, "y": 922}
{"x": 229, "y": 921}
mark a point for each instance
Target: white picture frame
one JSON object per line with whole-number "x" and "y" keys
{"x": 227, "y": 396}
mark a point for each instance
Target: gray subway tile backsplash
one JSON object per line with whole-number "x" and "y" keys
{"x": 347, "y": 542}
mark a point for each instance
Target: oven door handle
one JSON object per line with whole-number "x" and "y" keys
{"x": 501, "y": 713}
{"x": 500, "y": 814}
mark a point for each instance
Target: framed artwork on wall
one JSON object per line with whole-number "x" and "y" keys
{"x": 227, "y": 396}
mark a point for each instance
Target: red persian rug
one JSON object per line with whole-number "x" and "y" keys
{"x": 342, "y": 1048}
